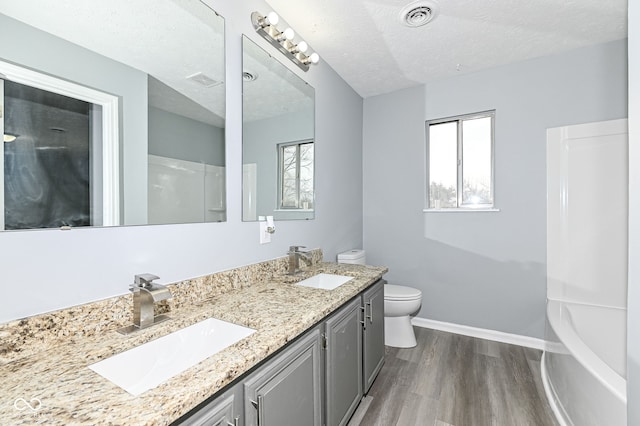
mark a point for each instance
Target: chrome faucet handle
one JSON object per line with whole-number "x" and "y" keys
{"x": 144, "y": 280}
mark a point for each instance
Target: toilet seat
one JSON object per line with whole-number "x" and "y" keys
{"x": 399, "y": 292}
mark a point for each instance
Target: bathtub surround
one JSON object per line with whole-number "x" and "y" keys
{"x": 48, "y": 355}
{"x": 584, "y": 368}
{"x": 486, "y": 269}
{"x": 587, "y": 210}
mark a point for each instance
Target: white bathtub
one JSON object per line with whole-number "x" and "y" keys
{"x": 584, "y": 366}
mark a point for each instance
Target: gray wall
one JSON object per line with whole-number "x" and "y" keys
{"x": 69, "y": 61}
{"x": 481, "y": 269}
{"x": 260, "y": 139}
{"x": 46, "y": 270}
{"x": 174, "y": 136}
{"x": 633, "y": 298}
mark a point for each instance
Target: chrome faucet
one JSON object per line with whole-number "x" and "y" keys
{"x": 294, "y": 259}
{"x": 145, "y": 295}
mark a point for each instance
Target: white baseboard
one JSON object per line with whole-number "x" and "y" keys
{"x": 482, "y": 333}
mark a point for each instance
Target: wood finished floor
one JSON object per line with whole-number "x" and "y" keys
{"x": 454, "y": 380}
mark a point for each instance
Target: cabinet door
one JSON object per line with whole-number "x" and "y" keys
{"x": 222, "y": 411}
{"x": 288, "y": 389}
{"x": 373, "y": 333}
{"x": 343, "y": 333}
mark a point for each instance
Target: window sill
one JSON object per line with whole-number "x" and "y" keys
{"x": 460, "y": 210}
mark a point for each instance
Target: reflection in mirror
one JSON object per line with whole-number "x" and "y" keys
{"x": 277, "y": 139}
{"x": 103, "y": 124}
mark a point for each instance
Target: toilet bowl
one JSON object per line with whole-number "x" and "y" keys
{"x": 399, "y": 303}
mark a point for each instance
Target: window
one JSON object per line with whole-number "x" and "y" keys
{"x": 460, "y": 161}
{"x": 295, "y": 190}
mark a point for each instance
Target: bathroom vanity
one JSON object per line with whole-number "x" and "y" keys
{"x": 299, "y": 361}
{"x": 325, "y": 372}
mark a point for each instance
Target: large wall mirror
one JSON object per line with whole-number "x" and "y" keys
{"x": 277, "y": 139}
{"x": 114, "y": 113}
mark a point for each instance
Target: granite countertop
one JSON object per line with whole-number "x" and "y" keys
{"x": 63, "y": 391}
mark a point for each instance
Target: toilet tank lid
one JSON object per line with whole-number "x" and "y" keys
{"x": 351, "y": 254}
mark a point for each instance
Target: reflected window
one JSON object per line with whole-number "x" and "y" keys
{"x": 296, "y": 175}
{"x": 460, "y": 161}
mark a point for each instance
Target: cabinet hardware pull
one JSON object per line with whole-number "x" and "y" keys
{"x": 260, "y": 410}
{"x": 370, "y": 316}
{"x": 236, "y": 421}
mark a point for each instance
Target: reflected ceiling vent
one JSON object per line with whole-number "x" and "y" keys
{"x": 419, "y": 13}
{"x": 248, "y": 76}
{"x": 203, "y": 79}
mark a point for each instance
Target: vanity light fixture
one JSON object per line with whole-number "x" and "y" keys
{"x": 284, "y": 40}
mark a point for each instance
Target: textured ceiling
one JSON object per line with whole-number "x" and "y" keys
{"x": 275, "y": 91}
{"x": 365, "y": 42}
{"x": 163, "y": 38}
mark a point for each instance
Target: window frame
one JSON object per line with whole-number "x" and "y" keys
{"x": 280, "y": 148}
{"x": 459, "y": 120}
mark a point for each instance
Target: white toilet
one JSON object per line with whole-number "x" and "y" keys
{"x": 399, "y": 303}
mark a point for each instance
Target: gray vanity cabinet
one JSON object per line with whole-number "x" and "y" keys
{"x": 373, "y": 334}
{"x": 287, "y": 390}
{"x": 343, "y": 369}
{"x": 317, "y": 380}
{"x": 225, "y": 410}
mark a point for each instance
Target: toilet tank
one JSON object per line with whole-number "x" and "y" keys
{"x": 355, "y": 256}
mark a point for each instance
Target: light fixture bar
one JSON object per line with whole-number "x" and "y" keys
{"x": 283, "y": 40}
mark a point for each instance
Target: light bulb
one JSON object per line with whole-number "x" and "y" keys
{"x": 289, "y": 34}
{"x": 314, "y": 58}
{"x": 303, "y": 46}
{"x": 273, "y": 18}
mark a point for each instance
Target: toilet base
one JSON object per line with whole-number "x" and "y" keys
{"x": 398, "y": 332}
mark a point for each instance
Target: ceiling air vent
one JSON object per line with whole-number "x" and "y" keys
{"x": 248, "y": 76}
{"x": 418, "y": 13}
{"x": 203, "y": 79}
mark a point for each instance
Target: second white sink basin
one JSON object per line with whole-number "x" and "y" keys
{"x": 325, "y": 281}
{"x": 146, "y": 366}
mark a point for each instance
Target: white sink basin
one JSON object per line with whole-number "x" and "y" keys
{"x": 325, "y": 281}
{"x": 146, "y": 366}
